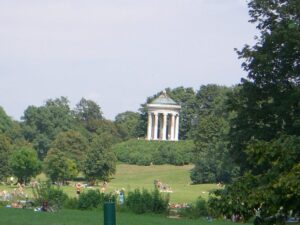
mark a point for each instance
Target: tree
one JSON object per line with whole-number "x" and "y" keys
{"x": 264, "y": 135}
{"x": 5, "y": 150}
{"x": 100, "y": 162}
{"x": 212, "y": 160}
{"x": 127, "y": 124}
{"x": 59, "y": 167}
{"x": 88, "y": 110}
{"x": 211, "y": 100}
{"x": 186, "y": 98}
{"x": 272, "y": 183}
{"x": 5, "y": 121}
{"x": 73, "y": 144}
{"x": 267, "y": 102}
{"x": 24, "y": 164}
{"x": 42, "y": 124}
{"x": 88, "y": 113}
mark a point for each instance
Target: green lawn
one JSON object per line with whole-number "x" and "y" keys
{"x": 177, "y": 177}
{"x": 132, "y": 176}
{"x": 76, "y": 217}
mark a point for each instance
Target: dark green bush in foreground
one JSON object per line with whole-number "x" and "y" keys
{"x": 136, "y": 201}
{"x": 93, "y": 199}
{"x": 144, "y": 201}
{"x": 142, "y": 152}
{"x": 195, "y": 210}
{"x": 53, "y": 195}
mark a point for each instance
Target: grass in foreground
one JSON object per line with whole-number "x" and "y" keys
{"x": 75, "y": 217}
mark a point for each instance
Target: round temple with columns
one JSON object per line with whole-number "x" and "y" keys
{"x": 163, "y": 119}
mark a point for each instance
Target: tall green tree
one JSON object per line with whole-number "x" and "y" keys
{"x": 5, "y": 151}
{"x": 88, "y": 110}
{"x": 25, "y": 164}
{"x": 42, "y": 124}
{"x": 5, "y": 121}
{"x": 127, "y": 124}
{"x": 213, "y": 162}
{"x": 73, "y": 144}
{"x": 264, "y": 135}
{"x": 273, "y": 181}
{"x": 267, "y": 102}
{"x": 58, "y": 167}
{"x": 88, "y": 113}
{"x": 212, "y": 100}
{"x": 186, "y": 98}
{"x": 100, "y": 162}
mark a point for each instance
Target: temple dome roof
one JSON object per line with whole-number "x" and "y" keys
{"x": 163, "y": 99}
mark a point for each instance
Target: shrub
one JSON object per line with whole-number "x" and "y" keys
{"x": 157, "y": 152}
{"x": 196, "y": 210}
{"x": 93, "y": 199}
{"x": 159, "y": 202}
{"x": 135, "y": 201}
{"x": 45, "y": 192}
{"x": 144, "y": 201}
{"x": 71, "y": 203}
{"x": 89, "y": 200}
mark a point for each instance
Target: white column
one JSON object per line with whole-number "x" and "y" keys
{"x": 169, "y": 127}
{"x": 177, "y": 128}
{"x": 155, "y": 126}
{"x": 164, "y": 137}
{"x": 172, "y": 127}
{"x": 160, "y": 118}
{"x": 149, "y": 130}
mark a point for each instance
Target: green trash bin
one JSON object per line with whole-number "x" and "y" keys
{"x": 109, "y": 213}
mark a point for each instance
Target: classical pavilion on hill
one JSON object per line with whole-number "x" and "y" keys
{"x": 163, "y": 119}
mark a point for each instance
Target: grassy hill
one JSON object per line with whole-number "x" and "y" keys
{"x": 177, "y": 177}
{"x": 133, "y": 176}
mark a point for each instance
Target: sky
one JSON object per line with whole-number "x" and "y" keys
{"x": 116, "y": 52}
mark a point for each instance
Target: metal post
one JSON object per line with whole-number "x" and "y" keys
{"x": 109, "y": 213}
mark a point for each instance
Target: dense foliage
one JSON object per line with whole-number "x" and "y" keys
{"x": 5, "y": 151}
{"x": 94, "y": 199}
{"x": 58, "y": 167}
{"x": 144, "y": 201}
{"x": 137, "y": 201}
{"x": 128, "y": 124}
{"x": 100, "y": 162}
{"x": 142, "y": 152}
{"x": 24, "y": 164}
{"x": 213, "y": 163}
{"x": 52, "y": 196}
{"x": 264, "y": 134}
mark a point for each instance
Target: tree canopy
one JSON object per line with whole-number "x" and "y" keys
{"x": 58, "y": 167}
{"x": 24, "y": 164}
{"x": 264, "y": 134}
{"x": 127, "y": 124}
{"x": 5, "y": 151}
{"x": 267, "y": 103}
{"x": 100, "y": 162}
